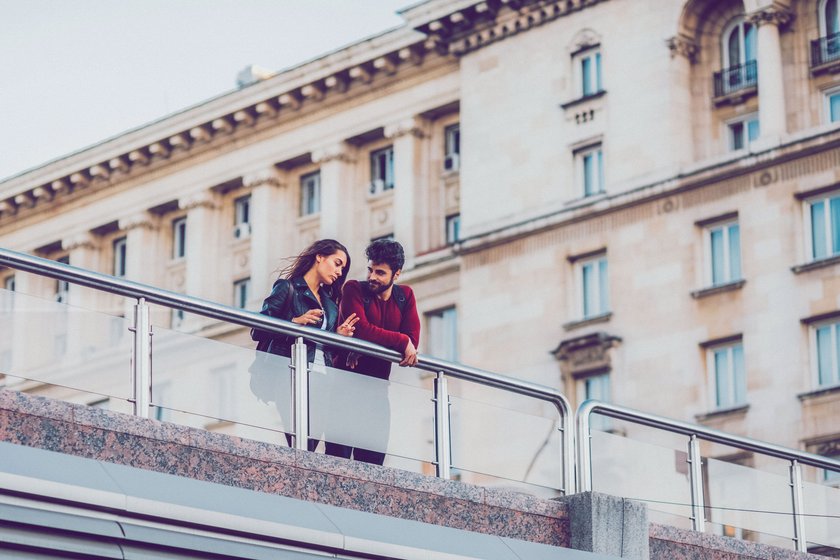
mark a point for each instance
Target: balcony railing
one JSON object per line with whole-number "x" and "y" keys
{"x": 736, "y": 78}
{"x": 825, "y": 49}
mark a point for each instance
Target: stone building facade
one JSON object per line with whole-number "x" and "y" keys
{"x": 647, "y": 214}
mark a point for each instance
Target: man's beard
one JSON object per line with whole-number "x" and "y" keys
{"x": 378, "y": 288}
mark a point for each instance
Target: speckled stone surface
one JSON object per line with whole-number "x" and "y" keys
{"x": 182, "y": 451}
{"x": 672, "y": 543}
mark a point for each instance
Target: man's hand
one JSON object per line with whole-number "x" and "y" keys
{"x": 409, "y": 355}
{"x": 352, "y": 360}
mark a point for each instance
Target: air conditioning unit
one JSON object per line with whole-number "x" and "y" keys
{"x": 242, "y": 230}
{"x": 377, "y": 186}
{"x": 452, "y": 162}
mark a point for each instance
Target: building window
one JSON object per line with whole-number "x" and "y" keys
{"x": 443, "y": 334}
{"x": 179, "y": 238}
{"x": 452, "y": 148}
{"x": 453, "y": 229}
{"x": 310, "y": 194}
{"x": 588, "y": 68}
{"x": 176, "y": 318}
{"x": 728, "y": 378}
{"x": 119, "y": 257}
{"x": 832, "y": 102}
{"x": 62, "y": 287}
{"x": 723, "y": 253}
{"x": 9, "y": 283}
{"x": 827, "y": 346}
{"x": 596, "y": 387}
{"x": 830, "y": 20}
{"x": 382, "y": 170}
{"x": 824, "y": 219}
{"x": 387, "y": 236}
{"x": 594, "y": 288}
{"x": 742, "y": 132}
{"x": 241, "y": 293}
{"x": 590, "y": 167}
{"x": 242, "y": 217}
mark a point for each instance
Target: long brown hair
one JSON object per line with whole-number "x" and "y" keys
{"x": 301, "y": 264}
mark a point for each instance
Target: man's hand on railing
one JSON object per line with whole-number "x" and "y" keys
{"x": 348, "y": 326}
{"x": 409, "y": 355}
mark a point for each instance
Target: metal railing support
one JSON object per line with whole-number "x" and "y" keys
{"x": 443, "y": 448}
{"x": 797, "y": 503}
{"x": 141, "y": 360}
{"x": 695, "y": 464}
{"x": 584, "y": 450}
{"x": 300, "y": 392}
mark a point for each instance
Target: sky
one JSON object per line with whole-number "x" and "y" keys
{"x": 75, "y": 72}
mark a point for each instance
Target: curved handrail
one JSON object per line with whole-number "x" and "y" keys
{"x": 207, "y": 308}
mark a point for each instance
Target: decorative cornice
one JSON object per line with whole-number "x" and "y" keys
{"x": 777, "y": 15}
{"x": 334, "y": 152}
{"x": 142, "y": 220}
{"x": 680, "y": 45}
{"x": 261, "y": 177}
{"x": 412, "y": 126}
{"x": 84, "y": 240}
{"x": 197, "y": 200}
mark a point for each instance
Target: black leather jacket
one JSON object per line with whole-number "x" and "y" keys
{"x": 302, "y": 301}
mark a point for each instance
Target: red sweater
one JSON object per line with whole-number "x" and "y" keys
{"x": 383, "y": 323}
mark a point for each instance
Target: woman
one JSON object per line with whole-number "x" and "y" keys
{"x": 307, "y": 293}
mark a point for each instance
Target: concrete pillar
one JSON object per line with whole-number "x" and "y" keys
{"x": 410, "y": 209}
{"x": 272, "y": 227}
{"x": 683, "y": 55}
{"x": 336, "y": 167}
{"x": 772, "y": 115}
{"x": 84, "y": 328}
{"x": 603, "y": 524}
{"x": 204, "y": 228}
{"x": 84, "y": 252}
{"x": 143, "y": 256}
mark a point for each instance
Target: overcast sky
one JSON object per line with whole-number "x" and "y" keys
{"x": 74, "y": 72}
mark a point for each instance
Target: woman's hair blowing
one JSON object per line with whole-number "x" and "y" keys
{"x": 301, "y": 264}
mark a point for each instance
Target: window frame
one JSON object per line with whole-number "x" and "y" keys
{"x": 604, "y": 381}
{"x": 824, "y": 198}
{"x": 595, "y": 75}
{"x": 827, "y": 95}
{"x": 601, "y": 282}
{"x": 240, "y": 298}
{"x": 453, "y": 228}
{"x": 709, "y": 256}
{"x": 740, "y": 23}
{"x": 179, "y": 238}
{"x": 746, "y": 122}
{"x": 62, "y": 287}
{"x": 379, "y": 185}
{"x": 452, "y": 154}
{"x": 834, "y": 324}
{"x": 598, "y": 168}
{"x": 448, "y": 317}
{"x": 823, "y": 20}
{"x": 309, "y": 191}
{"x": 734, "y": 385}
{"x": 119, "y": 248}
{"x": 242, "y": 216}
{"x": 9, "y": 283}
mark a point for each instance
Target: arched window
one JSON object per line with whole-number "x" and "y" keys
{"x": 829, "y": 17}
{"x": 739, "y": 43}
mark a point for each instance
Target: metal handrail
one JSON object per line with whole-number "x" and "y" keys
{"x": 127, "y": 288}
{"x": 694, "y": 431}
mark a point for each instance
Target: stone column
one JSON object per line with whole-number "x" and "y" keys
{"x": 683, "y": 56}
{"x": 772, "y": 115}
{"x": 84, "y": 329}
{"x": 272, "y": 223}
{"x": 142, "y": 252}
{"x": 336, "y": 167}
{"x": 203, "y": 278}
{"x": 410, "y": 211}
{"x": 83, "y": 250}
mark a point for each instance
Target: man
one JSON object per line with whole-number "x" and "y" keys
{"x": 387, "y": 315}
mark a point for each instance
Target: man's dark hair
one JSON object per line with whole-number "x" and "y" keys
{"x": 386, "y": 251}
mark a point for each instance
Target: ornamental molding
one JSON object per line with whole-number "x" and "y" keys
{"x": 683, "y": 46}
{"x": 777, "y": 15}
{"x": 411, "y": 126}
{"x": 261, "y": 177}
{"x": 587, "y": 353}
{"x": 198, "y": 200}
{"x": 340, "y": 152}
{"x": 84, "y": 240}
{"x": 141, "y": 220}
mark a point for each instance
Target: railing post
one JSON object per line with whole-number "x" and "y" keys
{"x": 443, "y": 447}
{"x": 796, "y": 498}
{"x": 300, "y": 392}
{"x": 584, "y": 450}
{"x": 141, "y": 360}
{"x": 698, "y": 513}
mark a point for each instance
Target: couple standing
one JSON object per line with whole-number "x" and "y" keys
{"x": 312, "y": 291}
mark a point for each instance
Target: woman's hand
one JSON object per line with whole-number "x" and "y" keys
{"x": 348, "y": 326}
{"x": 311, "y": 317}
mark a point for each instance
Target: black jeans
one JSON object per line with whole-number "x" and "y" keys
{"x": 359, "y": 454}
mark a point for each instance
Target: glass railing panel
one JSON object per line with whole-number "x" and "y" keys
{"x": 655, "y": 475}
{"x": 506, "y": 437}
{"x": 821, "y": 509}
{"x": 214, "y": 385}
{"x": 753, "y": 504}
{"x": 66, "y": 347}
{"x": 373, "y": 416}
